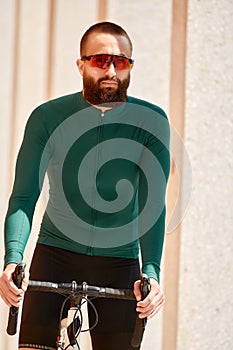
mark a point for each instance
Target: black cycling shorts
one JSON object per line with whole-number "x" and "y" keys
{"x": 41, "y": 311}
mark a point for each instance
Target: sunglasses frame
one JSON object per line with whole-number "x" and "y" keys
{"x": 88, "y": 58}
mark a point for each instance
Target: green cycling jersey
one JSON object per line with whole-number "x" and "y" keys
{"x": 107, "y": 171}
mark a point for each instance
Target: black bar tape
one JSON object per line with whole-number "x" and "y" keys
{"x": 17, "y": 276}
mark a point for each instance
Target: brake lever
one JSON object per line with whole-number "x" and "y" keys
{"x": 17, "y": 277}
{"x": 141, "y": 322}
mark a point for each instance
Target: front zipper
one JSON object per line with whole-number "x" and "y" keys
{"x": 98, "y": 154}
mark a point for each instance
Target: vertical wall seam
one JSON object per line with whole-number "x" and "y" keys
{"x": 176, "y": 113}
{"x": 15, "y": 78}
{"x": 102, "y": 10}
{"x": 50, "y": 48}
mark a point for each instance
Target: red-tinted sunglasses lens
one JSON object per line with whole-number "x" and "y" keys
{"x": 103, "y": 61}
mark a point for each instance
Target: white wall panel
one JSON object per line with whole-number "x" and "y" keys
{"x": 71, "y": 20}
{"x": 23, "y": 88}
{"x": 149, "y": 26}
{"x": 32, "y": 62}
{"x": 7, "y": 16}
{"x": 7, "y": 28}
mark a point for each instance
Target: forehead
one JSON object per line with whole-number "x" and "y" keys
{"x": 107, "y": 43}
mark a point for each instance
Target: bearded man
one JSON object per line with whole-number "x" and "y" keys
{"x": 106, "y": 155}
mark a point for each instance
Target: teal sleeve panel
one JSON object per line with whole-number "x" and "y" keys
{"x": 26, "y": 189}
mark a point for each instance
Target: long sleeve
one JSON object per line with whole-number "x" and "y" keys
{"x": 26, "y": 189}
{"x": 152, "y": 188}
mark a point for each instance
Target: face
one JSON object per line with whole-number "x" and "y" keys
{"x": 101, "y": 86}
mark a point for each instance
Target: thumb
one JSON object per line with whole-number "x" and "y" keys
{"x": 137, "y": 291}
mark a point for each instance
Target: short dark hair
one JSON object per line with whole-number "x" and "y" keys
{"x": 104, "y": 27}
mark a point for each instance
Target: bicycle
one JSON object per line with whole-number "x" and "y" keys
{"x": 77, "y": 294}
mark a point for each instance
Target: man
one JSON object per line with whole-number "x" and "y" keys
{"x": 97, "y": 216}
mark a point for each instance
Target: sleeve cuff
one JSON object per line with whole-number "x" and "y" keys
{"x": 150, "y": 271}
{"x": 12, "y": 257}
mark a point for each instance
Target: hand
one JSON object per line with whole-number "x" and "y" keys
{"x": 152, "y": 303}
{"x": 8, "y": 290}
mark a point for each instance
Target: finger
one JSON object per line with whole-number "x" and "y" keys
{"x": 11, "y": 301}
{"x": 151, "y": 304}
{"x": 13, "y": 294}
{"x": 158, "y": 308}
{"x": 150, "y": 312}
{"x": 137, "y": 291}
{"x": 13, "y": 289}
{"x": 24, "y": 284}
{"x": 154, "y": 295}
{"x": 18, "y": 304}
{"x": 5, "y": 301}
{"x": 14, "y": 300}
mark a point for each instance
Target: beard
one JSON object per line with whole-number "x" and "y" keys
{"x": 95, "y": 94}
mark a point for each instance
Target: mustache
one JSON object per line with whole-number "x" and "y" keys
{"x": 115, "y": 79}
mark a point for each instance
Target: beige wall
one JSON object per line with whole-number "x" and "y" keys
{"x": 38, "y": 48}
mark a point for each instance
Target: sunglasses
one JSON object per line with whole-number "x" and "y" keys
{"x": 103, "y": 61}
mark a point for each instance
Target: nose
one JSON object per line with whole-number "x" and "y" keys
{"x": 110, "y": 69}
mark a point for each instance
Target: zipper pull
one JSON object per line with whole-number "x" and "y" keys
{"x": 102, "y": 114}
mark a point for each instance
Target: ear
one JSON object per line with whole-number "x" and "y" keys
{"x": 80, "y": 65}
